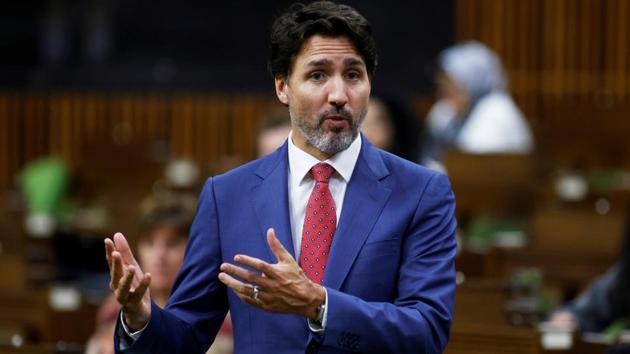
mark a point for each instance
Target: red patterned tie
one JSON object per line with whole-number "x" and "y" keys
{"x": 320, "y": 223}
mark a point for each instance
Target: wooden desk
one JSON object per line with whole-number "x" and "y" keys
{"x": 499, "y": 339}
{"x": 481, "y": 325}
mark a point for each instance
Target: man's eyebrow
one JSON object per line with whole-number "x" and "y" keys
{"x": 319, "y": 62}
{"x": 352, "y": 62}
{"x": 325, "y": 62}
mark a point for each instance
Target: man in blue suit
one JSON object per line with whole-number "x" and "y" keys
{"x": 328, "y": 245}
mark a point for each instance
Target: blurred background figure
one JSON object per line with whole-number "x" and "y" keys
{"x": 474, "y": 112}
{"x": 162, "y": 238}
{"x": 273, "y": 132}
{"x": 605, "y": 306}
{"x": 391, "y": 126}
{"x": 162, "y": 241}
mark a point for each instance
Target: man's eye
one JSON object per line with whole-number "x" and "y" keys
{"x": 317, "y": 76}
{"x": 353, "y": 75}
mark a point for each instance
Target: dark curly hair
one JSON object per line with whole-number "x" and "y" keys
{"x": 300, "y": 21}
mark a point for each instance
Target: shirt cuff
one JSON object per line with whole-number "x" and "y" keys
{"x": 316, "y": 327}
{"x": 133, "y": 335}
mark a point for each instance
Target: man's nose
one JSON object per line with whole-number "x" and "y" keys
{"x": 338, "y": 95}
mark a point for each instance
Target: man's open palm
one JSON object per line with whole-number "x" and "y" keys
{"x": 128, "y": 283}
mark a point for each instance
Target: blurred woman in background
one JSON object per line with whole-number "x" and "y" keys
{"x": 474, "y": 112}
{"x": 164, "y": 228}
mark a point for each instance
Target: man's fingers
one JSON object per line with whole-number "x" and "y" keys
{"x": 122, "y": 246}
{"x": 238, "y": 286}
{"x": 255, "y": 263}
{"x": 244, "y": 274}
{"x": 109, "y": 248}
{"x": 122, "y": 292}
{"x": 116, "y": 270}
{"x": 282, "y": 255}
{"x": 136, "y": 294}
{"x": 245, "y": 291}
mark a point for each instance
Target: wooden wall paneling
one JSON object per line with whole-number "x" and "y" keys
{"x": 559, "y": 49}
{"x": 67, "y": 142}
{"x": 515, "y": 64}
{"x": 78, "y": 135}
{"x": 212, "y": 134}
{"x": 155, "y": 116}
{"x": 533, "y": 50}
{"x": 486, "y": 24}
{"x": 595, "y": 82}
{"x": 245, "y": 135}
{"x": 103, "y": 127}
{"x": 54, "y": 117}
{"x": 587, "y": 49}
{"x": 549, "y": 43}
{"x": 139, "y": 109}
{"x": 520, "y": 68}
{"x": 611, "y": 29}
{"x": 546, "y": 45}
{"x": 5, "y": 141}
{"x": 225, "y": 127}
{"x": 181, "y": 126}
{"x": 16, "y": 151}
{"x": 199, "y": 139}
{"x": 174, "y": 126}
{"x": 35, "y": 127}
{"x": 571, "y": 34}
{"x": 497, "y": 33}
{"x": 623, "y": 77}
{"x": 29, "y": 122}
{"x": 510, "y": 46}
{"x": 207, "y": 133}
{"x": 201, "y": 126}
{"x": 464, "y": 18}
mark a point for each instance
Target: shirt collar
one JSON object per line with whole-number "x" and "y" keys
{"x": 301, "y": 162}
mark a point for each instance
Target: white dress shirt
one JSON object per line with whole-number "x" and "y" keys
{"x": 301, "y": 183}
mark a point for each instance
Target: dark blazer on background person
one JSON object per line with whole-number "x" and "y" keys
{"x": 389, "y": 279}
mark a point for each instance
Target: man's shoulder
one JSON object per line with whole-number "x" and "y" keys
{"x": 403, "y": 168}
{"x": 406, "y": 178}
{"x": 250, "y": 172}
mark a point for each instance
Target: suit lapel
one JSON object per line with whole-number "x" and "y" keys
{"x": 271, "y": 199}
{"x": 363, "y": 203}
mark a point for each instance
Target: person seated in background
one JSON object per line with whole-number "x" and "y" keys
{"x": 273, "y": 132}
{"x": 164, "y": 227}
{"x": 391, "y": 126}
{"x": 605, "y": 303}
{"x": 474, "y": 112}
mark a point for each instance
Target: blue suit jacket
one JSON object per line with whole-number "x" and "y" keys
{"x": 390, "y": 275}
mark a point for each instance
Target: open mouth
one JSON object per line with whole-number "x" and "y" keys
{"x": 337, "y": 122}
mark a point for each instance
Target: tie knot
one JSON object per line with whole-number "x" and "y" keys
{"x": 322, "y": 172}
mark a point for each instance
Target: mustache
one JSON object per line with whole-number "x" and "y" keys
{"x": 336, "y": 112}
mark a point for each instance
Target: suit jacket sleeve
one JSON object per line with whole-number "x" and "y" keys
{"x": 594, "y": 309}
{"x": 198, "y": 305}
{"x": 418, "y": 321}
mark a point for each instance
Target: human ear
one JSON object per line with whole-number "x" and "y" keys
{"x": 281, "y": 89}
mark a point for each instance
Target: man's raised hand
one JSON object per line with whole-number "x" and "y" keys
{"x": 282, "y": 287}
{"x": 128, "y": 283}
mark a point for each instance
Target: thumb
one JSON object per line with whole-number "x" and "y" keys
{"x": 282, "y": 255}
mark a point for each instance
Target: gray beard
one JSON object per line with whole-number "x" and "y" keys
{"x": 330, "y": 142}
